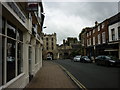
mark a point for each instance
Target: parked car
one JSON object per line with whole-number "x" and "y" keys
{"x": 107, "y": 60}
{"x": 49, "y": 58}
{"x": 77, "y": 58}
{"x": 85, "y": 59}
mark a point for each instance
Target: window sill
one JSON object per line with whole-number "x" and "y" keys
{"x": 13, "y": 80}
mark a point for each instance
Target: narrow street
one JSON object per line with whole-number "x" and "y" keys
{"x": 92, "y": 75}
{"x": 39, "y": 37}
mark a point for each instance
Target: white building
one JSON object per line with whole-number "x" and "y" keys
{"x": 21, "y": 45}
{"x": 114, "y": 34}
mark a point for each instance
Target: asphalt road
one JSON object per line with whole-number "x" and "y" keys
{"x": 92, "y": 75}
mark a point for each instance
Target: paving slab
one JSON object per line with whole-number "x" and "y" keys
{"x": 51, "y": 76}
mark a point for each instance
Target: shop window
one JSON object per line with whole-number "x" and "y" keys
{"x": 3, "y": 46}
{"x": 19, "y": 58}
{"x": 13, "y": 46}
{"x": 3, "y": 26}
{"x": 10, "y": 59}
{"x": 19, "y": 35}
{"x": 118, "y": 32}
{"x": 11, "y": 32}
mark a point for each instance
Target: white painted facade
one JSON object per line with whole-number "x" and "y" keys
{"x": 115, "y": 27}
{"x": 29, "y": 67}
{"x": 116, "y": 38}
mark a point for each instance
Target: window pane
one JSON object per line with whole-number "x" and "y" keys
{"x": 3, "y": 47}
{"x": 46, "y": 39}
{"x": 3, "y": 26}
{"x": 10, "y": 59}
{"x": 11, "y": 32}
{"x": 19, "y": 35}
{"x": 119, "y": 32}
{"x": 1, "y": 51}
{"x": 20, "y": 59}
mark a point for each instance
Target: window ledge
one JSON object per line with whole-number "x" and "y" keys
{"x": 13, "y": 80}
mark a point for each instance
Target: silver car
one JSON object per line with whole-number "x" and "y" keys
{"x": 77, "y": 58}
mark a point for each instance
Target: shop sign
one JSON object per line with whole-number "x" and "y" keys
{"x": 32, "y": 6}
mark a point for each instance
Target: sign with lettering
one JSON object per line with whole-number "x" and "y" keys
{"x": 32, "y": 7}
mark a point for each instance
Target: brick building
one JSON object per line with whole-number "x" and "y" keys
{"x": 102, "y": 39}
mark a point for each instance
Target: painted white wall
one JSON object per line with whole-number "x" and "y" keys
{"x": 115, "y": 26}
{"x": 23, "y": 79}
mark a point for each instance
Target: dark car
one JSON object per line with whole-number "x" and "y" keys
{"x": 107, "y": 60}
{"x": 85, "y": 59}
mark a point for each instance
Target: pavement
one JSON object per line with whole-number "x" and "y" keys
{"x": 51, "y": 75}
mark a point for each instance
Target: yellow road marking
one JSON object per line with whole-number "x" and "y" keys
{"x": 80, "y": 85}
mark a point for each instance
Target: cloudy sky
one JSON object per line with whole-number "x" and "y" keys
{"x": 67, "y": 19}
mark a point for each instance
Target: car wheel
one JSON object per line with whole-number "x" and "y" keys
{"x": 112, "y": 64}
{"x": 83, "y": 61}
{"x": 97, "y": 62}
{"x": 107, "y": 64}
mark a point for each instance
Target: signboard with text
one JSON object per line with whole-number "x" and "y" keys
{"x": 32, "y": 6}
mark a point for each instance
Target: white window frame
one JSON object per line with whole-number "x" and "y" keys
{"x": 98, "y": 38}
{"x": 87, "y": 34}
{"x": 103, "y": 37}
{"x": 90, "y": 33}
{"x": 99, "y": 28}
{"x": 113, "y": 38}
{"x": 93, "y": 40}
{"x": 103, "y": 25}
{"x": 89, "y": 41}
{"x": 93, "y": 30}
{"x": 5, "y": 55}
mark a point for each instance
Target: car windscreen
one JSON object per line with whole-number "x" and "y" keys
{"x": 85, "y": 57}
{"x": 78, "y": 56}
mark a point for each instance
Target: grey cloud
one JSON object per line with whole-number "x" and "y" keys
{"x": 68, "y": 18}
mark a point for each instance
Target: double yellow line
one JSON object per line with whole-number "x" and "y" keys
{"x": 80, "y": 85}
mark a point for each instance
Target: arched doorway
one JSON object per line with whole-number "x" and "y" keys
{"x": 50, "y": 56}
